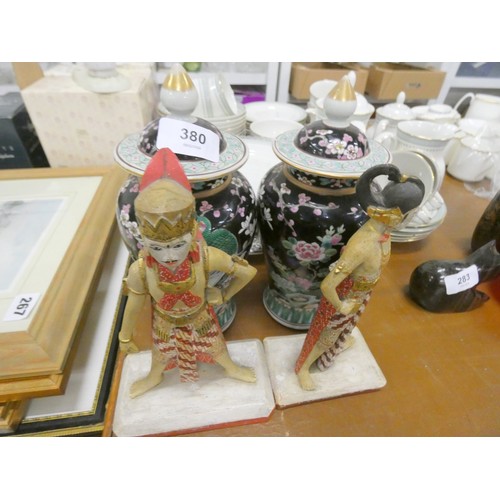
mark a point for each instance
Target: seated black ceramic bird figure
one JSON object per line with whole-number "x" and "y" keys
{"x": 448, "y": 286}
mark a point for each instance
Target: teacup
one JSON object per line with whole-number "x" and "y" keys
{"x": 471, "y": 127}
{"x": 476, "y": 127}
{"x": 474, "y": 159}
{"x": 321, "y": 88}
{"x": 426, "y": 137}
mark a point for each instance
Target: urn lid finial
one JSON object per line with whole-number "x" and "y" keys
{"x": 178, "y": 93}
{"x": 340, "y": 104}
{"x": 179, "y": 97}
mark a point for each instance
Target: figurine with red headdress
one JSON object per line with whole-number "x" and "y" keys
{"x": 173, "y": 269}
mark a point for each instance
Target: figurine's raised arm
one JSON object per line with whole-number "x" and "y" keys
{"x": 240, "y": 271}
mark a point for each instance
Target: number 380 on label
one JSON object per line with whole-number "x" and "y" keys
{"x": 193, "y": 136}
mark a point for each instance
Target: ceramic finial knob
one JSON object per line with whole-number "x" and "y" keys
{"x": 178, "y": 94}
{"x": 352, "y": 77}
{"x": 401, "y": 97}
{"x": 340, "y": 104}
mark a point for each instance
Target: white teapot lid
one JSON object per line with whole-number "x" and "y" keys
{"x": 436, "y": 112}
{"x": 397, "y": 110}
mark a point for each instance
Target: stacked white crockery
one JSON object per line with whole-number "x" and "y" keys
{"x": 217, "y": 103}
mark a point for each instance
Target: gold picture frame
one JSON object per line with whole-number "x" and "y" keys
{"x": 34, "y": 354}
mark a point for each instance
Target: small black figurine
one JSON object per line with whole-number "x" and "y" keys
{"x": 428, "y": 286}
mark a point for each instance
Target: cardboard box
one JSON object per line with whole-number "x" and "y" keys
{"x": 78, "y": 127}
{"x": 387, "y": 80}
{"x": 306, "y": 73}
{"x": 19, "y": 144}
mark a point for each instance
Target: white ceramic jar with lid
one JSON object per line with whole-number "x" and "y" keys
{"x": 388, "y": 116}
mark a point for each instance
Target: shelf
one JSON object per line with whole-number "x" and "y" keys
{"x": 231, "y": 78}
{"x": 268, "y": 79}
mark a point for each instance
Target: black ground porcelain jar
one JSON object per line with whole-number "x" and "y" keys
{"x": 303, "y": 230}
{"x": 308, "y": 210}
{"x": 225, "y": 201}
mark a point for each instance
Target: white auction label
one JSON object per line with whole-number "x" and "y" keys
{"x": 465, "y": 279}
{"x": 21, "y": 306}
{"x": 188, "y": 139}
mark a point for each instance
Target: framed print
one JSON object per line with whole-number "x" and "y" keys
{"x": 81, "y": 409}
{"x": 55, "y": 226}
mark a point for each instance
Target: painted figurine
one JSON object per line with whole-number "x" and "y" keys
{"x": 173, "y": 269}
{"x": 349, "y": 284}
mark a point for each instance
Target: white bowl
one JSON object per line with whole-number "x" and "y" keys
{"x": 270, "y": 129}
{"x": 264, "y": 110}
{"x": 427, "y": 132}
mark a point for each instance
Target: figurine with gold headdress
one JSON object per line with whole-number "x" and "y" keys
{"x": 349, "y": 284}
{"x": 173, "y": 269}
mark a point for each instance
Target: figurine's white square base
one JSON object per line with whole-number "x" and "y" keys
{"x": 354, "y": 370}
{"x": 175, "y": 407}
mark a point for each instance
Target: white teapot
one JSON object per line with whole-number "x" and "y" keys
{"x": 482, "y": 106}
{"x": 388, "y": 116}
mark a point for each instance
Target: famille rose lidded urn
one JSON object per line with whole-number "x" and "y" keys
{"x": 226, "y": 205}
{"x": 308, "y": 207}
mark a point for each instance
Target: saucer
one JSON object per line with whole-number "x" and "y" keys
{"x": 419, "y": 232}
{"x": 112, "y": 84}
{"x": 264, "y": 110}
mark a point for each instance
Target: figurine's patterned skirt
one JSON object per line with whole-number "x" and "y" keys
{"x": 331, "y": 329}
{"x": 183, "y": 346}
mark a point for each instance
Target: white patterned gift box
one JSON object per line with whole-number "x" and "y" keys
{"x": 80, "y": 128}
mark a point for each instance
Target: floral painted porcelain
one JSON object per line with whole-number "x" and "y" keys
{"x": 225, "y": 201}
{"x": 308, "y": 208}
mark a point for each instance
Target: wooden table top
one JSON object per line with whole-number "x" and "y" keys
{"x": 442, "y": 369}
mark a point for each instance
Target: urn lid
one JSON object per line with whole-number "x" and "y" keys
{"x": 333, "y": 146}
{"x": 179, "y": 97}
{"x": 334, "y": 137}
